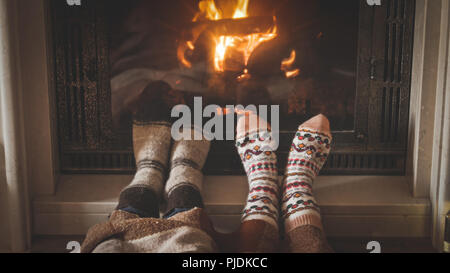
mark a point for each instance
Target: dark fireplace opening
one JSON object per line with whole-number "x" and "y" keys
{"x": 345, "y": 59}
{"x": 307, "y": 66}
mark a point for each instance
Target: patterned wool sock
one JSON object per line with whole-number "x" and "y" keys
{"x": 299, "y": 210}
{"x": 254, "y": 145}
{"x": 184, "y": 186}
{"x": 151, "y": 145}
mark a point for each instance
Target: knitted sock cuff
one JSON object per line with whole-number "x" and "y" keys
{"x": 307, "y": 217}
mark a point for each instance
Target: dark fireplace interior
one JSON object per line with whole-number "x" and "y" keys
{"x": 345, "y": 59}
{"x": 147, "y": 36}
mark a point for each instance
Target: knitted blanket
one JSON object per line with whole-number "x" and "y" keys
{"x": 185, "y": 232}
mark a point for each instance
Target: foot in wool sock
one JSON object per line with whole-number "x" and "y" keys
{"x": 254, "y": 145}
{"x": 151, "y": 145}
{"x": 309, "y": 151}
{"x": 184, "y": 186}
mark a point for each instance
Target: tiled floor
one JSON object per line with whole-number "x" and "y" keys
{"x": 58, "y": 244}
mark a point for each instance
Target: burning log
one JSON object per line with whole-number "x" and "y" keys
{"x": 255, "y": 29}
{"x": 234, "y": 36}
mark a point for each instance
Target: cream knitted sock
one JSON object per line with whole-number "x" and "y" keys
{"x": 151, "y": 142}
{"x": 309, "y": 151}
{"x": 184, "y": 185}
{"x": 254, "y": 145}
{"x": 151, "y": 145}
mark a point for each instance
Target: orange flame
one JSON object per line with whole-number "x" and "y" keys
{"x": 293, "y": 73}
{"x": 190, "y": 45}
{"x": 244, "y": 44}
{"x": 286, "y": 66}
{"x": 241, "y": 9}
{"x": 286, "y": 63}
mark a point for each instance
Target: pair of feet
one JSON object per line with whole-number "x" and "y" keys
{"x": 166, "y": 169}
{"x": 173, "y": 169}
{"x": 291, "y": 202}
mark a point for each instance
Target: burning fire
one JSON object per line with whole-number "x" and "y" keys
{"x": 243, "y": 44}
{"x": 228, "y": 45}
{"x": 286, "y": 66}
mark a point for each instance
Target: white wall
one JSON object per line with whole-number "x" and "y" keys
{"x": 428, "y": 162}
{"x": 440, "y": 169}
{"x": 423, "y": 95}
{"x": 12, "y": 130}
{"x": 37, "y": 100}
{"x": 4, "y": 226}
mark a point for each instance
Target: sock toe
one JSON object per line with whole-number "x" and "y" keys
{"x": 250, "y": 123}
{"x": 318, "y": 123}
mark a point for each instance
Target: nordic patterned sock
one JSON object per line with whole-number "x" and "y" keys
{"x": 309, "y": 151}
{"x": 184, "y": 185}
{"x": 254, "y": 145}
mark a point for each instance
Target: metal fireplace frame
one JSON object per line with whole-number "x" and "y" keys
{"x": 376, "y": 146}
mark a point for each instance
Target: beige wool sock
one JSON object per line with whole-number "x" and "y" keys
{"x": 151, "y": 142}
{"x": 151, "y": 149}
{"x": 186, "y": 162}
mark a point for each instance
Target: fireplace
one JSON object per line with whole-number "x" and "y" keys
{"x": 346, "y": 59}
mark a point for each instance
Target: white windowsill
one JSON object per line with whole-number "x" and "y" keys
{"x": 351, "y": 205}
